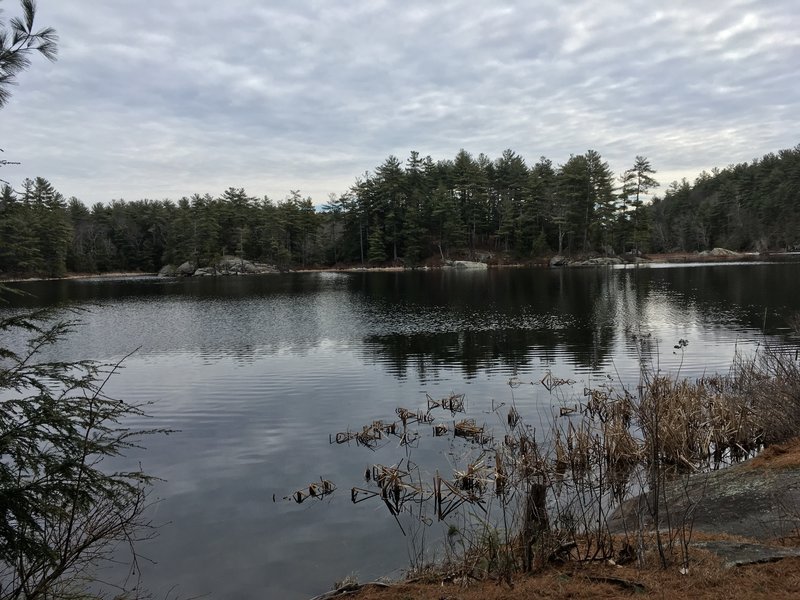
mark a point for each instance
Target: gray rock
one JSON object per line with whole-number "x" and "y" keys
{"x": 227, "y": 265}
{"x": 469, "y": 264}
{"x": 738, "y": 554}
{"x": 723, "y": 252}
{"x": 187, "y": 268}
{"x": 559, "y": 261}
{"x": 599, "y": 261}
{"x": 168, "y": 271}
{"x": 739, "y": 500}
{"x": 231, "y": 265}
{"x": 604, "y": 261}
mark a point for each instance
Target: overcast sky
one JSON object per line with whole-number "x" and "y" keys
{"x": 165, "y": 98}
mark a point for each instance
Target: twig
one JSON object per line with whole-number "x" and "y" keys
{"x": 349, "y": 589}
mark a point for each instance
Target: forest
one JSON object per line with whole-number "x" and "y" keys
{"x": 407, "y": 213}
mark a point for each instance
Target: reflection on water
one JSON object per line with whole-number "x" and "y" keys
{"x": 256, "y": 372}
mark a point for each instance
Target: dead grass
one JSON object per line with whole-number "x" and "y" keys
{"x": 706, "y": 580}
{"x": 777, "y": 456}
{"x": 555, "y": 493}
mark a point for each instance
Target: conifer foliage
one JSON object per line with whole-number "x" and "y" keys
{"x": 61, "y": 509}
{"x": 407, "y": 212}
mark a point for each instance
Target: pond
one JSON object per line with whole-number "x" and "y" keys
{"x": 257, "y": 373}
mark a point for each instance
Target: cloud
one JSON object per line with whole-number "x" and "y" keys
{"x": 166, "y": 99}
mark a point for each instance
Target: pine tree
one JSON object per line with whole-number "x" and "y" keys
{"x": 18, "y": 41}
{"x": 636, "y": 184}
{"x": 377, "y": 252}
{"x": 51, "y": 226}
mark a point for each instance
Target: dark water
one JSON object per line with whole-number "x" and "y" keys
{"x": 256, "y": 372}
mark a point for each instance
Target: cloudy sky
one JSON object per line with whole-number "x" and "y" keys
{"x": 165, "y": 98}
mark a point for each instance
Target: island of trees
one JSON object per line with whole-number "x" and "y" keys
{"x": 408, "y": 212}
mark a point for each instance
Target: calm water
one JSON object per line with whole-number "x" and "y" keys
{"x": 257, "y": 372}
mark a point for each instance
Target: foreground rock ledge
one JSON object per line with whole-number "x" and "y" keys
{"x": 757, "y": 500}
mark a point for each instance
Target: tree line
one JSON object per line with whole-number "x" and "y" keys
{"x": 407, "y": 212}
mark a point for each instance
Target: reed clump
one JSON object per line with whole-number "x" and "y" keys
{"x": 524, "y": 497}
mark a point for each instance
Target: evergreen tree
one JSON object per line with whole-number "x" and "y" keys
{"x": 50, "y": 225}
{"x": 19, "y": 244}
{"x": 79, "y": 255}
{"x": 390, "y": 193}
{"x": 449, "y": 230}
{"x": 636, "y": 184}
{"x": 574, "y": 206}
{"x": 18, "y": 41}
{"x": 510, "y": 181}
{"x": 602, "y": 199}
{"x": 377, "y": 252}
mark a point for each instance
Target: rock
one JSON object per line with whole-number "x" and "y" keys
{"x": 231, "y": 265}
{"x": 738, "y": 554}
{"x": 468, "y": 264}
{"x": 186, "y": 268}
{"x": 248, "y": 267}
{"x": 738, "y": 500}
{"x": 605, "y": 261}
{"x": 723, "y": 252}
{"x": 598, "y": 261}
{"x": 168, "y": 271}
{"x": 559, "y": 261}
{"x": 227, "y": 265}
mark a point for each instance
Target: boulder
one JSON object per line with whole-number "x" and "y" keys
{"x": 186, "y": 268}
{"x": 469, "y": 264}
{"x": 559, "y": 261}
{"x": 598, "y": 261}
{"x": 723, "y": 252}
{"x": 262, "y": 268}
{"x": 605, "y": 260}
{"x": 227, "y": 265}
{"x": 231, "y": 265}
{"x": 168, "y": 271}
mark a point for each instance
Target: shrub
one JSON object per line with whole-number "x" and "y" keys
{"x": 60, "y": 511}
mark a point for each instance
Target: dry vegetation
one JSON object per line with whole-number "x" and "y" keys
{"x": 707, "y": 581}
{"x": 532, "y": 513}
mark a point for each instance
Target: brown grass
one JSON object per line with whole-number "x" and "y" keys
{"x": 777, "y": 456}
{"x": 554, "y": 491}
{"x": 707, "y": 580}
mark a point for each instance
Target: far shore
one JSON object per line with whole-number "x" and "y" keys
{"x": 647, "y": 259}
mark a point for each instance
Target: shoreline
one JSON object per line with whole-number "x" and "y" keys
{"x": 674, "y": 258}
{"x": 109, "y": 275}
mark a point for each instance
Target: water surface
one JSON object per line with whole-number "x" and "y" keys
{"x": 257, "y": 372}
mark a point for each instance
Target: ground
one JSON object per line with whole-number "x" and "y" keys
{"x": 707, "y": 580}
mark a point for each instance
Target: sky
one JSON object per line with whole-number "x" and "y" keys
{"x": 166, "y": 98}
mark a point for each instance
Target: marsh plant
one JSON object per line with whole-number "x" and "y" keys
{"x": 591, "y": 485}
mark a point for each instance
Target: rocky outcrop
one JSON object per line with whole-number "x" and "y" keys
{"x": 227, "y": 265}
{"x": 597, "y": 261}
{"x": 600, "y": 261}
{"x": 742, "y": 500}
{"x": 467, "y": 264}
{"x": 719, "y": 252}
